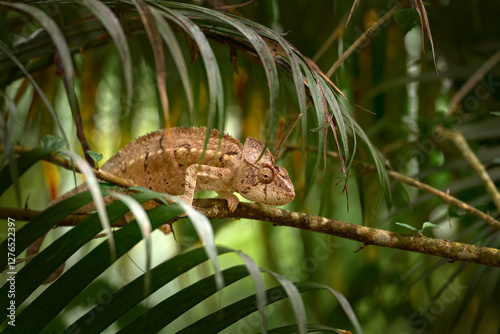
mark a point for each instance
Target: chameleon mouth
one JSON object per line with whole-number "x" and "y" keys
{"x": 281, "y": 199}
{"x": 269, "y": 195}
{"x": 280, "y": 202}
{"x": 283, "y": 202}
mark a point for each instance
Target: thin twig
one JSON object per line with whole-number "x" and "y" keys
{"x": 446, "y": 198}
{"x": 333, "y": 36}
{"x": 362, "y": 38}
{"x": 57, "y": 160}
{"x": 352, "y": 11}
{"x": 80, "y": 134}
{"x": 418, "y": 5}
{"x": 459, "y": 140}
{"x": 419, "y": 185}
{"x": 286, "y": 135}
{"x": 472, "y": 81}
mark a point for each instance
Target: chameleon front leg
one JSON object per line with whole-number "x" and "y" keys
{"x": 232, "y": 200}
{"x": 214, "y": 178}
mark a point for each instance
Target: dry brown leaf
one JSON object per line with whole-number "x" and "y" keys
{"x": 418, "y": 5}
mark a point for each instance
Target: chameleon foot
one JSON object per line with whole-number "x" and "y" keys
{"x": 232, "y": 200}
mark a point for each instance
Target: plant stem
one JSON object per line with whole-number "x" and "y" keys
{"x": 422, "y": 186}
{"x": 472, "y": 81}
{"x": 218, "y": 209}
{"x": 362, "y": 38}
{"x": 57, "y": 160}
{"x": 461, "y": 143}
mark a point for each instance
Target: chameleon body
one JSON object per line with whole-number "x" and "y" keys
{"x": 151, "y": 162}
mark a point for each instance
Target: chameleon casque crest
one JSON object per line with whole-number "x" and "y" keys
{"x": 231, "y": 167}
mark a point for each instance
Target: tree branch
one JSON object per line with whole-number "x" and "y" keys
{"x": 461, "y": 143}
{"x": 451, "y": 250}
{"x": 419, "y": 185}
{"x": 64, "y": 163}
{"x": 218, "y": 209}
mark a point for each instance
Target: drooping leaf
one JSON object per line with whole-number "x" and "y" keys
{"x": 51, "y": 141}
{"x": 407, "y": 226}
{"x": 230, "y": 314}
{"x": 151, "y": 27}
{"x": 39, "y": 91}
{"x": 60, "y": 44}
{"x": 346, "y": 306}
{"x": 215, "y": 87}
{"x": 93, "y": 186}
{"x": 319, "y": 107}
{"x": 260, "y": 47}
{"x": 293, "y": 294}
{"x": 95, "y": 156}
{"x": 171, "y": 42}
{"x": 254, "y": 271}
{"x": 424, "y": 22}
{"x": 57, "y": 296}
{"x": 23, "y": 162}
{"x": 202, "y": 226}
{"x": 131, "y": 294}
{"x": 406, "y": 19}
{"x": 145, "y": 226}
{"x": 429, "y": 225}
{"x": 115, "y": 30}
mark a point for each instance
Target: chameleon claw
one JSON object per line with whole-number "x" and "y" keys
{"x": 232, "y": 200}
{"x": 233, "y": 204}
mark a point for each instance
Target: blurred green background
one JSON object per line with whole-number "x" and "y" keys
{"x": 390, "y": 291}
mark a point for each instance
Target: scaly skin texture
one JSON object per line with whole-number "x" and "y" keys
{"x": 172, "y": 166}
{"x": 151, "y": 162}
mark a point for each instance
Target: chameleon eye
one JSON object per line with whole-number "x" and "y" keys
{"x": 266, "y": 175}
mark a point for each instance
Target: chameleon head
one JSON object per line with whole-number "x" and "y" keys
{"x": 259, "y": 180}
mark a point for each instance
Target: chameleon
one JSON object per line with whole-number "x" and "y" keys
{"x": 230, "y": 167}
{"x": 151, "y": 162}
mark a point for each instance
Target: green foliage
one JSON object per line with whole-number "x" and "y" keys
{"x": 73, "y": 284}
{"x": 23, "y": 163}
{"x": 51, "y": 141}
{"x": 420, "y": 231}
{"x": 408, "y": 226}
{"x": 105, "y": 72}
{"x": 407, "y": 19}
{"x": 95, "y": 156}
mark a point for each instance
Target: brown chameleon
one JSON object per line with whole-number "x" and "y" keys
{"x": 148, "y": 162}
{"x": 230, "y": 167}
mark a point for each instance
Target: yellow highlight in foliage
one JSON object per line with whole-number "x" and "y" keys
{"x": 51, "y": 176}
